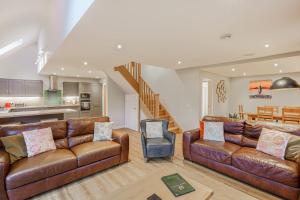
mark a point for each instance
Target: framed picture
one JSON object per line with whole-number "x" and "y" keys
{"x": 260, "y": 89}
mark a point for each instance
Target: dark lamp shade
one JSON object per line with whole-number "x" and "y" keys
{"x": 284, "y": 83}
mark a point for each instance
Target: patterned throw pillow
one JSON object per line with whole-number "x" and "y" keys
{"x": 103, "y": 131}
{"x": 38, "y": 141}
{"x": 273, "y": 142}
{"x": 214, "y": 131}
{"x": 154, "y": 130}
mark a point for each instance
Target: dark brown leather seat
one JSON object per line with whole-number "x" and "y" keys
{"x": 90, "y": 152}
{"x": 217, "y": 151}
{"x": 41, "y": 166}
{"x": 267, "y": 166}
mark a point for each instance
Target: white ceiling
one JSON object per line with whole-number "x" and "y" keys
{"x": 272, "y": 66}
{"x": 162, "y": 32}
{"x": 21, "y": 19}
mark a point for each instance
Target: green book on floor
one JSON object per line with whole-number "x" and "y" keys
{"x": 177, "y": 185}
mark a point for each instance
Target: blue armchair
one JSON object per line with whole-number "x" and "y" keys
{"x": 157, "y": 147}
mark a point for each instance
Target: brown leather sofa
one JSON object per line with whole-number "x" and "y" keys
{"x": 237, "y": 157}
{"x": 76, "y": 156}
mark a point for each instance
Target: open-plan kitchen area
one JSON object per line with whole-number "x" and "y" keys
{"x": 29, "y": 101}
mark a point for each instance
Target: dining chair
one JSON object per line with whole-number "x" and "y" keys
{"x": 265, "y": 113}
{"x": 291, "y": 115}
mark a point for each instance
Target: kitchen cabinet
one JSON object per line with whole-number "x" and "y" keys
{"x": 96, "y": 95}
{"x": 84, "y": 114}
{"x": 16, "y": 88}
{"x": 96, "y": 111}
{"x": 33, "y": 88}
{"x": 3, "y": 87}
{"x": 85, "y": 88}
{"x": 71, "y": 89}
{"x": 21, "y": 88}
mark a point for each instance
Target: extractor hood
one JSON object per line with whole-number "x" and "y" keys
{"x": 53, "y": 83}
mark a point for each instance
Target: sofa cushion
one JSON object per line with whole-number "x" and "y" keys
{"x": 157, "y": 147}
{"x": 82, "y": 130}
{"x": 252, "y": 161}
{"x": 91, "y": 152}
{"x": 47, "y": 164}
{"x": 217, "y": 151}
{"x": 249, "y": 142}
{"x": 234, "y": 127}
{"x": 233, "y": 138}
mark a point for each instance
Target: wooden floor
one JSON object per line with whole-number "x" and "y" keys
{"x": 109, "y": 181}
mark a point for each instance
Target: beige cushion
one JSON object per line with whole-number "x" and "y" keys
{"x": 15, "y": 146}
{"x": 38, "y": 141}
{"x": 214, "y": 131}
{"x": 293, "y": 149}
{"x": 154, "y": 130}
{"x": 103, "y": 131}
{"x": 273, "y": 142}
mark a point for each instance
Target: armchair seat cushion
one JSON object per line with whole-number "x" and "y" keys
{"x": 91, "y": 152}
{"x": 44, "y": 165}
{"x": 158, "y": 147}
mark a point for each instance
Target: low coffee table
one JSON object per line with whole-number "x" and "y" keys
{"x": 152, "y": 183}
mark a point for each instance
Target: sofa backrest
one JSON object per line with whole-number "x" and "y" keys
{"x": 249, "y": 134}
{"x": 59, "y": 131}
{"x": 82, "y": 130}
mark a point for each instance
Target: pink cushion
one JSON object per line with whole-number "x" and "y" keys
{"x": 38, "y": 141}
{"x": 273, "y": 142}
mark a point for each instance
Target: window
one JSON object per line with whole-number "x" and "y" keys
{"x": 11, "y": 46}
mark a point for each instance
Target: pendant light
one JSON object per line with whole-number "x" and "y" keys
{"x": 285, "y": 83}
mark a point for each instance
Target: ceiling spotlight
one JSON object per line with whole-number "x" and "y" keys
{"x": 244, "y": 74}
{"x": 119, "y": 46}
{"x": 62, "y": 69}
{"x": 275, "y": 64}
{"x": 85, "y": 63}
{"x": 179, "y": 62}
{"x": 90, "y": 71}
{"x": 280, "y": 71}
{"x": 233, "y": 69}
{"x": 97, "y": 76}
{"x": 77, "y": 75}
{"x": 54, "y": 73}
{"x": 267, "y": 45}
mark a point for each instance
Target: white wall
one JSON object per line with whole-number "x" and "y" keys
{"x": 180, "y": 91}
{"x": 116, "y": 104}
{"x": 239, "y": 93}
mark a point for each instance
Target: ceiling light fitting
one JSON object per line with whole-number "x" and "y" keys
{"x": 285, "y": 83}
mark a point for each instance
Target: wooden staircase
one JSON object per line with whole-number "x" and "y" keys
{"x": 148, "y": 98}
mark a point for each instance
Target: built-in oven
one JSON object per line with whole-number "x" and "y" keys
{"x": 84, "y": 96}
{"x": 85, "y": 105}
{"x": 85, "y": 102}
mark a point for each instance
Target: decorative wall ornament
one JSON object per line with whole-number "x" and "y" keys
{"x": 221, "y": 91}
{"x": 260, "y": 89}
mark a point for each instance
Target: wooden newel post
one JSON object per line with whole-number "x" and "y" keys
{"x": 156, "y": 115}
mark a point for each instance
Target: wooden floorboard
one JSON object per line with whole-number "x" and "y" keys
{"x": 111, "y": 180}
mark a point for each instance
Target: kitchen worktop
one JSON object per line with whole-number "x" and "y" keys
{"x": 47, "y": 106}
{"x": 37, "y": 112}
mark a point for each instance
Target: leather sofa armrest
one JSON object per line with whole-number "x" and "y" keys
{"x": 4, "y": 168}
{"x": 123, "y": 139}
{"x": 188, "y": 138}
